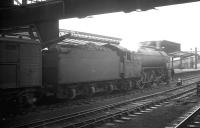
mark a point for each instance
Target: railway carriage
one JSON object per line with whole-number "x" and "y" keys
{"x": 20, "y": 68}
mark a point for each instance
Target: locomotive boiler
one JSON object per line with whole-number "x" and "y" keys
{"x": 152, "y": 57}
{"x": 154, "y": 64}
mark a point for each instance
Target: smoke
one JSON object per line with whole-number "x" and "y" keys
{"x": 130, "y": 45}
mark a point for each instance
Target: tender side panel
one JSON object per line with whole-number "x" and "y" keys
{"x": 84, "y": 65}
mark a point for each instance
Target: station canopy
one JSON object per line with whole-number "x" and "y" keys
{"x": 83, "y": 37}
{"x": 79, "y": 38}
{"x": 181, "y": 54}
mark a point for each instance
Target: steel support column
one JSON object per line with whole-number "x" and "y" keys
{"x": 48, "y": 30}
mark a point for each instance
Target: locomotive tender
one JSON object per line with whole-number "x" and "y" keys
{"x": 71, "y": 69}
{"x": 86, "y": 69}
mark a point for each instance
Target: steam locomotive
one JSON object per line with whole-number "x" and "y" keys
{"x": 87, "y": 69}
{"x": 67, "y": 70}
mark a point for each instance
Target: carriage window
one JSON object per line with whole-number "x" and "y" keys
{"x": 128, "y": 55}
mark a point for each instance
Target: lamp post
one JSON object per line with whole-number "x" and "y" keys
{"x": 196, "y": 58}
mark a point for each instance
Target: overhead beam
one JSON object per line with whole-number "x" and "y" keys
{"x": 60, "y": 9}
{"x": 31, "y": 14}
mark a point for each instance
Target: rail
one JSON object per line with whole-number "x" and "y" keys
{"x": 189, "y": 118}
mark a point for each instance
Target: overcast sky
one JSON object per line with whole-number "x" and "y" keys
{"x": 177, "y": 23}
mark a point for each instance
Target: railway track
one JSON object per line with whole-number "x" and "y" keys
{"x": 190, "y": 120}
{"x": 115, "y": 97}
{"x": 128, "y": 93}
{"x": 113, "y": 111}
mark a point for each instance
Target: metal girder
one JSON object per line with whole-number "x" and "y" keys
{"x": 181, "y": 54}
{"x": 60, "y": 9}
{"x": 28, "y": 31}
